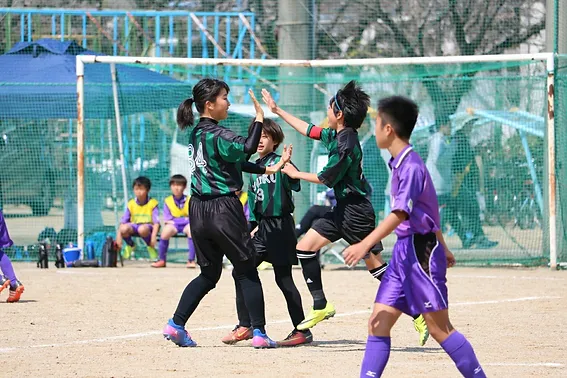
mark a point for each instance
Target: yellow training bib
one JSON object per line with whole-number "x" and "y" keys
{"x": 140, "y": 214}
{"x": 175, "y": 211}
{"x": 243, "y": 198}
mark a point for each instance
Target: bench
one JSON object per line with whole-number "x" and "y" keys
{"x": 336, "y": 249}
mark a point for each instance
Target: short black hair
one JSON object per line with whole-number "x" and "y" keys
{"x": 401, "y": 113}
{"x": 205, "y": 90}
{"x": 178, "y": 179}
{"x": 272, "y": 129}
{"x": 353, "y": 102}
{"x": 142, "y": 181}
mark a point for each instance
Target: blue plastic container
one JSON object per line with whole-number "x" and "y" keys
{"x": 70, "y": 255}
{"x": 89, "y": 250}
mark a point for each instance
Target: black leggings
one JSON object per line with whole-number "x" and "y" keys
{"x": 245, "y": 276}
{"x": 285, "y": 282}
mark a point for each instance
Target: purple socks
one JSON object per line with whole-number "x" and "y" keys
{"x": 191, "y": 249}
{"x": 128, "y": 240}
{"x": 456, "y": 345}
{"x": 162, "y": 249}
{"x": 164, "y": 245}
{"x": 7, "y": 268}
{"x": 375, "y": 357}
{"x": 462, "y": 353}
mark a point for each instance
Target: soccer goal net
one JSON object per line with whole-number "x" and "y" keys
{"x": 486, "y": 130}
{"x": 483, "y": 131}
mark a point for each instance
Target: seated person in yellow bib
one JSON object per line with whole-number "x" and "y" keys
{"x": 176, "y": 219}
{"x": 141, "y": 218}
{"x": 243, "y": 197}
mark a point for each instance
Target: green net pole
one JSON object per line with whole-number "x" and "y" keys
{"x": 296, "y": 92}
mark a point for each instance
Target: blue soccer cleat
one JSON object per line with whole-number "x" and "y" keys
{"x": 178, "y": 335}
{"x": 262, "y": 341}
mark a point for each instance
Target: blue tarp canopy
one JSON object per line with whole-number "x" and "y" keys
{"x": 38, "y": 81}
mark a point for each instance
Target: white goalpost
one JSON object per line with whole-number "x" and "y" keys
{"x": 82, "y": 60}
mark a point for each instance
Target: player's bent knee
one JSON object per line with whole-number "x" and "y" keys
{"x": 144, "y": 231}
{"x": 211, "y": 274}
{"x": 382, "y": 320}
{"x": 125, "y": 230}
{"x": 168, "y": 231}
{"x": 312, "y": 241}
{"x": 208, "y": 281}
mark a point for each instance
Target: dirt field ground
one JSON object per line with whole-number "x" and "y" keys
{"x": 107, "y": 323}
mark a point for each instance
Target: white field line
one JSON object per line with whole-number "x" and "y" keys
{"x": 154, "y": 333}
{"x": 505, "y": 364}
{"x": 534, "y": 278}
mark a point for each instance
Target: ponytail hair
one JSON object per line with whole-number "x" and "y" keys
{"x": 205, "y": 90}
{"x": 185, "y": 117}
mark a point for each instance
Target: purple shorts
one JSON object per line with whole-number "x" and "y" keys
{"x": 180, "y": 227}
{"x": 415, "y": 281}
{"x": 136, "y": 227}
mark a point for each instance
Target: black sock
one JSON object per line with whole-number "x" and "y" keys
{"x": 194, "y": 293}
{"x": 312, "y": 274}
{"x": 379, "y": 272}
{"x": 241, "y": 309}
{"x": 284, "y": 279}
{"x": 253, "y": 295}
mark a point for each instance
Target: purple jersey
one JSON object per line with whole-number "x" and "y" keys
{"x": 412, "y": 191}
{"x": 181, "y": 222}
{"x": 5, "y": 240}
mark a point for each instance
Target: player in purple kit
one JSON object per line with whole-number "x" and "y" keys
{"x": 176, "y": 219}
{"x": 8, "y": 276}
{"x": 141, "y": 218}
{"x": 415, "y": 280}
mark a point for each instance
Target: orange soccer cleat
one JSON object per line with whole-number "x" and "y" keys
{"x": 237, "y": 334}
{"x": 158, "y": 264}
{"x": 15, "y": 292}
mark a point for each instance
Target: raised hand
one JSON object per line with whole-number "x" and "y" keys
{"x": 284, "y": 160}
{"x": 269, "y": 100}
{"x": 257, "y": 106}
{"x": 287, "y": 152}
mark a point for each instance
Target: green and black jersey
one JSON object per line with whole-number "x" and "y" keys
{"x": 270, "y": 195}
{"x": 343, "y": 171}
{"x": 216, "y": 155}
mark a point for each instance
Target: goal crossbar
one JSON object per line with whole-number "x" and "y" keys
{"x": 548, "y": 58}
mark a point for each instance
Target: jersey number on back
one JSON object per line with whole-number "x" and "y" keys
{"x": 196, "y": 161}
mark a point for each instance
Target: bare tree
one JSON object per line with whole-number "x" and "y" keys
{"x": 431, "y": 28}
